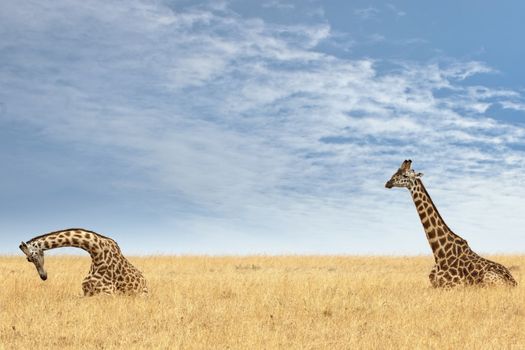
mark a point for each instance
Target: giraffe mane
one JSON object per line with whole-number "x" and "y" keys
{"x": 71, "y": 229}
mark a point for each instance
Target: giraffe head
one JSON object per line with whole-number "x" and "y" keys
{"x": 404, "y": 176}
{"x": 35, "y": 254}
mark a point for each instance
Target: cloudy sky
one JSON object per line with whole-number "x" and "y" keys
{"x": 240, "y": 127}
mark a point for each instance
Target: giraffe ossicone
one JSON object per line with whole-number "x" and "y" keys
{"x": 456, "y": 264}
{"x": 110, "y": 272}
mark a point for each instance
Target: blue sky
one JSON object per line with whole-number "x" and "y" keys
{"x": 240, "y": 127}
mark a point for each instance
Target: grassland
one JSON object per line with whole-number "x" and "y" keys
{"x": 259, "y": 302}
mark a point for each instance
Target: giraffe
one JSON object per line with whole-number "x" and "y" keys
{"x": 110, "y": 272}
{"x": 456, "y": 264}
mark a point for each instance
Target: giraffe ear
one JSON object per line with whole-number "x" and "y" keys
{"x": 405, "y": 166}
{"x": 418, "y": 175}
{"x": 23, "y": 247}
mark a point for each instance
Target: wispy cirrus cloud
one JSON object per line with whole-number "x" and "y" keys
{"x": 278, "y": 5}
{"x": 367, "y": 13}
{"x": 255, "y": 130}
{"x": 517, "y": 106}
{"x": 396, "y": 10}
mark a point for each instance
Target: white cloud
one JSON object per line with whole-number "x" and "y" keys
{"x": 513, "y": 105}
{"x": 395, "y": 10}
{"x": 367, "y": 13}
{"x": 281, "y": 5}
{"x": 252, "y": 124}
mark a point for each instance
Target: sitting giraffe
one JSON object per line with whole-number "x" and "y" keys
{"x": 110, "y": 271}
{"x": 456, "y": 263}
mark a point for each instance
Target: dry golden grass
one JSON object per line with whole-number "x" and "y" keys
{"x": 259, "y": 302}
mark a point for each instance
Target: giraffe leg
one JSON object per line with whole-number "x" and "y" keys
{"x": 107, "y": 289}
{"x": 495, "y": 278}
{"x": 490, "y": 278}
{"x": 432, "y": 276}
{"x": 88, "y": 287}
{"x": 143, "y": 287}
{"x": 443, "y": 279}
{"x": 92, "y": 286}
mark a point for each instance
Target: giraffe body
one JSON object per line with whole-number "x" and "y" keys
{"x": 456, "y": 264}
{"x": 110, "y": 272}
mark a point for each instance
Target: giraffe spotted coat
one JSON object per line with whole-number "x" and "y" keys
{"x": 456, "y": 264}
{"x": 110, "y": 271}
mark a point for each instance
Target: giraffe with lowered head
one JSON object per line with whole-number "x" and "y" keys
{"x": 110, "y": 272}
{"x": 456, "y": 264}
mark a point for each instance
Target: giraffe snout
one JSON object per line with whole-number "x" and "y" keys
{"x": 43, "y": 275}
{"x": 389, "y": 184}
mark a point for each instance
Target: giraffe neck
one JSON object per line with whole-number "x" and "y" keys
{"x": 78, "y": 238}
{"x": 442, "y": 240}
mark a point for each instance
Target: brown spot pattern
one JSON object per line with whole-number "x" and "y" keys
{"x": 456, "y": 263}
{"x": 110, "y": 271}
